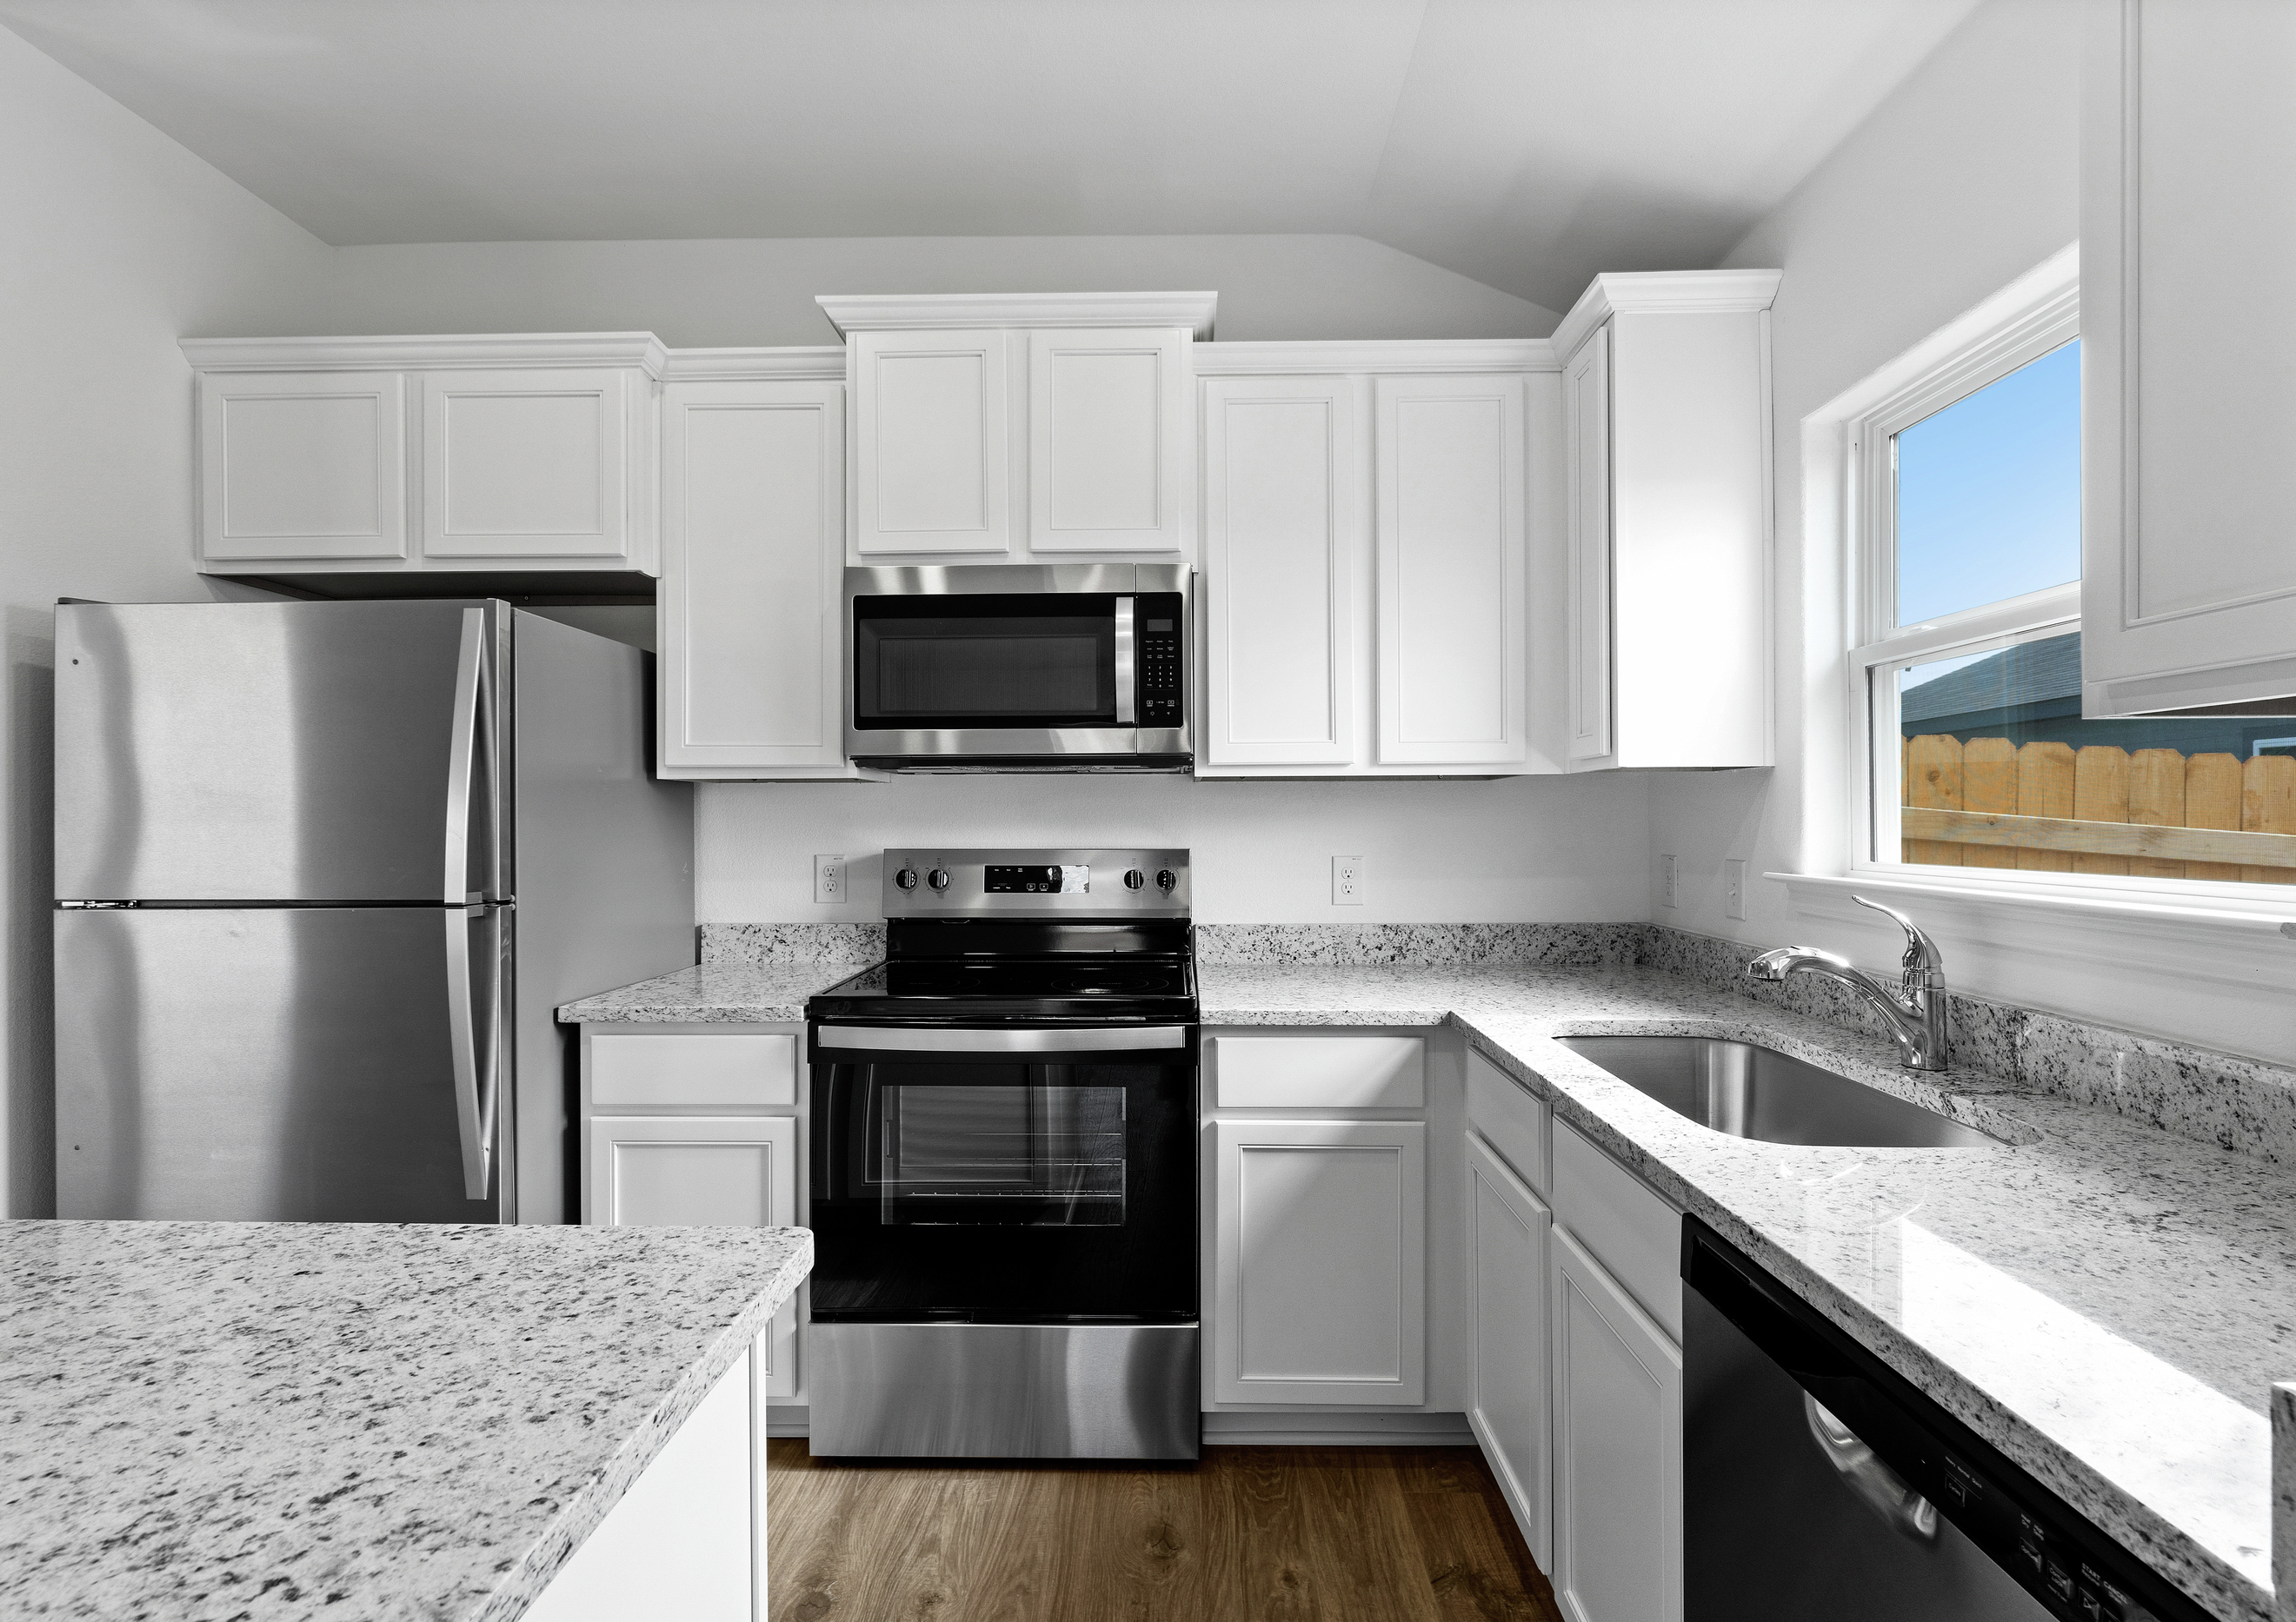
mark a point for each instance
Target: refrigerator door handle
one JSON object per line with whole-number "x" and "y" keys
{"x": 473, "y": 1098}
{"x": 461, "y": 758}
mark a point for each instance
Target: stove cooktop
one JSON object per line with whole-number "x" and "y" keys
{"x": 1006, "y": 990}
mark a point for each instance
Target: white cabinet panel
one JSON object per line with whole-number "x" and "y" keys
{"x": 1452, "y": 614}
{"x": 1281, "y": 531}
{"x": 1633, "y": 1233}
{"x": 1618, "y": 1449}
{"x": 753, "y": 527}
{"x": 704, "y": 1072}
{"x": 2188, "y": 590}
{"x": 931, "y": 442}
{"x": 309, "y": 464}
{"x": 526, "y": 464}
{"x": 1318, "y": 1072}
{"x": 1320, "y": 1265}
{"x": 1518, "y": 1126}
{"x": 1509, "y": 1401}
{"x": 700, "y": 1171}
{"x": 688, "y": 1539}
{"x": 1108, "y": 439}
{"x": 1586, "y": 457}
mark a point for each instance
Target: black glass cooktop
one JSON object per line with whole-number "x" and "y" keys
{"x": 1009, "y": 973}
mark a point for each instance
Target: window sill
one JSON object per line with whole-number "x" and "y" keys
{"x": 2218, "y": 939}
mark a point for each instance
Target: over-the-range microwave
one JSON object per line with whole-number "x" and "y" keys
{"x": 1019, "y": 667}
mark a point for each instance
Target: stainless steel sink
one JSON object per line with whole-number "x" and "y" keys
{"x": 1751, "y": 1091}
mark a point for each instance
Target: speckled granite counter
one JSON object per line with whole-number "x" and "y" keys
{"x": 712, "y": 994}
{"x": 2107, "y": 1303}
{"x": 256, "y": 1420}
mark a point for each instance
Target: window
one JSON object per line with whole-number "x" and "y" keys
{"x": 1975, "y": 755}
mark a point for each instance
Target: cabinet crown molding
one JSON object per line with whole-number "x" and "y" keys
{"x": 816, "y": 363}
{"x": 1663, "y": 293}
{"x": 1379, "y": 356}
{"x": 851, "y": 313}
{"x": 432, "y": 353}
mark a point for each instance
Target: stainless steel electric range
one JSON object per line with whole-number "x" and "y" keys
{"x": 1005, "y": 1198}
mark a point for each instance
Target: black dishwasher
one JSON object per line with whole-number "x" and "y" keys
{"x": 1818, "y": 1483}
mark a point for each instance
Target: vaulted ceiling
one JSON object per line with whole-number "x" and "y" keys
{"x": 1527, "y": 143}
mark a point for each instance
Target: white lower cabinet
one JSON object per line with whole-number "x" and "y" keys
{"x": 673, "y": 1135}
{"x": 1320, "y": 1276}
{"x": 1618, "y": 1449}
{"x": 688, "y": 1539}
{"x": 1508, "y": 1405}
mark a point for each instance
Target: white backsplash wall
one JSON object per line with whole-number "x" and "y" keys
{"x": 1536, "y": 849}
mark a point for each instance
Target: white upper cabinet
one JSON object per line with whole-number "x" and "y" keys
{"x": 1282, "y": 538}
{"x": 1372, "y": 514}
{"x": 1666, "y": 431}
{"x": 933, "y": 461}
{"x": 1451, "y": 559}
{"x": 751, "y": 673}
{"x": 1003, "y": 428}
{"x": 1108, "y": 439}
{"x": 2188, "y": 545}
{"x": 517, "y": 455}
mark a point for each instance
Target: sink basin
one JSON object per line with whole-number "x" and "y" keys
{"x": 1751, "y": 1091}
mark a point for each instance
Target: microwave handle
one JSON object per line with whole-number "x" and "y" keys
{"x": 1128, "y": 667}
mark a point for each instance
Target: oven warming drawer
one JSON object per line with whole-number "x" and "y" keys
{"x": 1006, "y": 1391}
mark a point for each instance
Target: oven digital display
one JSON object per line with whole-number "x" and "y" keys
{"x": 1037, "y": 881}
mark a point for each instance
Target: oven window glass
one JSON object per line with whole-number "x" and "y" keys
{"x": 922, "y": 663}
{"x": 1040, "y": 1155}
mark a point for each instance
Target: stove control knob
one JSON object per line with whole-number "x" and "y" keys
{"x": 907, "y": 878}
{"x": 1165, "y": 879}
{"x": 938, "y": 879}
{"x": 1135, "y": 879}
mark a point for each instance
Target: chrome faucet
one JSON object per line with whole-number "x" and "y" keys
{"x": 1915, "y": 1013}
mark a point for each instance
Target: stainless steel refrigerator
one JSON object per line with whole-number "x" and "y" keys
{"x": 324, "y": 872}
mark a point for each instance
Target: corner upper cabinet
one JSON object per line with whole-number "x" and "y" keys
{"x": 324, "y": 459}
{"x": 2189, "y": 558}
{"x": 751, "y": 653}
{"x": 1015, "y": 427}
{"x": 1666, "y": 444}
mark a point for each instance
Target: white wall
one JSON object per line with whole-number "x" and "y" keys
{"x": 118, "y": 242}
{"x": 1965, "y": 179}
{"x": 1522, "y": 849}
{"x": 697, "y": 294}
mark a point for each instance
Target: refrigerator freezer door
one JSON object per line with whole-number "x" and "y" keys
{"x": 279, "y": 751}
{"x": 287, "y": 1063}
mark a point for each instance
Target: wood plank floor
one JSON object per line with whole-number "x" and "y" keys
{"x": 1250, "y": 1534}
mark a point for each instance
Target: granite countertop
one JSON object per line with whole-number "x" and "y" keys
{"x": 274, "y": 1419}
{"x": 2107, "y": 1303}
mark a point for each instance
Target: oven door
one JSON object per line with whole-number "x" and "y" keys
{"x": 1004, "y": 1176}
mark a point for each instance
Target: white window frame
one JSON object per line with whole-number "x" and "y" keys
{"x": 2037, "y": 314}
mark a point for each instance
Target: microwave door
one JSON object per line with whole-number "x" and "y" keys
{"x": 1024, "y": 662}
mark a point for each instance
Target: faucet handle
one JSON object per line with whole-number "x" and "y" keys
{"x": 1923, "y": 965}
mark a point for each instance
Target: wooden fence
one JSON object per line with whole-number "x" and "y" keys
{"x": 2049, "y": 808}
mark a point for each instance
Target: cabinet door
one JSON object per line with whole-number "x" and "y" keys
{"x": 931, "y": 451}
{"x": 302, "y": 464}
{"x": 1509, "y": 1405}
{"x": 1618, "y": 1449}
{"x": 1320, "y": 1262}
{"x": 1281, "y": 534}
{"x": 1108, "y": 438}
{"x": 753, "y": 538}
{"x": 1448, "y": 459}
{"x": 526, "y": 464}
{"x": 701, "y": 1171}
{"x": 1586, "y": 457}
{"x": 2189, "y": 593}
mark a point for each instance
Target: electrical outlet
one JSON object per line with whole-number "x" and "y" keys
{"x": 1666, "y": 880}
{"x": 829, "y": 881}
{"x": 1347, "y": 880}
{"x": 1734, "y": 887}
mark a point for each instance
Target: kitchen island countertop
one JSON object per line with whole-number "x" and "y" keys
{"x": 208, "y": 1420}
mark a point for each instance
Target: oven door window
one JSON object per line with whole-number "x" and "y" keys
{"x": 992, "y": 661}
{"x": 1040, "y": 1152}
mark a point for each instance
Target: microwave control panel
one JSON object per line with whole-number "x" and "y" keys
{"x": 1158, "y": 619}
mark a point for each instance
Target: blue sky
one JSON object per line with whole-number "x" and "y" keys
{"x": 1988, "y": 492}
